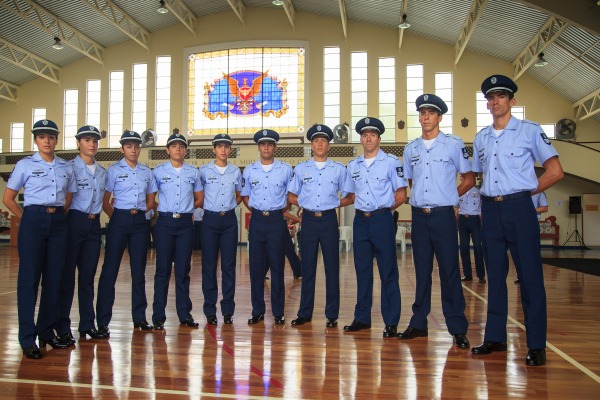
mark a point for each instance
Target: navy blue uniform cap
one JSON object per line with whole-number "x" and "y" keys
{"x": 431, "y": 101}
{"x": 498, "y": 83}
{"x": 130, "y": 136}
{"x": 88, "y": 130}
{"x": 370, "y": 123}
{"x": 222, "y": 138}
{"x": 177, "y": 137}
{"x": 319, "y": 130}
{"x": 266, "y": 135}
{"x": 45, "y": 126}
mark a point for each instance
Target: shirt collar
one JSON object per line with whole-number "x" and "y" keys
{"x": 380, "y": 156}
{"x": 124, "y": 164}
{"x": 37, "y": 157}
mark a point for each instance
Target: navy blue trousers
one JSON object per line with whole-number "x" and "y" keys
{"x": 290, "y": 254}
{"x": 374, "y": 237}
{"x": 436, "y": 234}
{"x": 82, "y": 254}
{"x": 513, "y": 224}
{"x": 174, "y": 239}
{"x": 219, "y": 235}
{"x": 131, "y": 231}
{"x": 469, "y": 229}
{"x": 197, "y": 235}
{"x": 267, "y": 242}
{"x": 320, "y": 231}
{"x": 42, "y": 246}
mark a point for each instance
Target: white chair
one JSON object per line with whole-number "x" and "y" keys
{"x": 401, "y": 237}
{"x": 345, "y": 237}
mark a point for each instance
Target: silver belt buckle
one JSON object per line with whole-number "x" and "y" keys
{"x": 91, "y": 216}
{"x": 51, "y": 210}
{"x": 367, "y": 214}
{"x": 134, "y": 211}
{"x": 176, "y": 215}
{"x": 318, "y": 214}
{"x": 222, "y": 213}
{"x": 427, "y": 210}
{"x": 265, "y": 213}
{"x": 498, "y": 198}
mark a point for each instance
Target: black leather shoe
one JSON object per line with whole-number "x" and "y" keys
{"x": 356, "y": 326}
{"x": 142, "y": 325}
{"x": 300, "y": 321}
{"x": 296, "y": 277}
{"x": 95, "y": 334}
{"x": 411, "y": 333}
{"x": 280, "y": 320}
{"x": 158, "y": 325}
{"x": 489, "y": 347}
{"x": 104, "y": 331}
{"x": 467, "y": 278}
{"x": 255, "y": 319}
{"x": 190, "y": 322}
{"x": 482, "y": 280}
{"x": 390, "y": 331}
{"x": 67, "y": 339}
{"x": 536, "y": 357}
{"x": 228, "y": 319}
{"x": 517, "y": 281}
{"x": 32, "y": 352}
{"x": 331, "y": 323}
{"x": 54, "y": 342}
{"x": 211, "y": 319}
{"x": 461, "y": 341}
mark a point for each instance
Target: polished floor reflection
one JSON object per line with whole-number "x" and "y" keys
{"x": 311, "y": 361}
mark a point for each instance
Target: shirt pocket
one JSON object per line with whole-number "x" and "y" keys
{"x": 515, "y": 158}
{"x": 440, "y": 164}
{"x": 277, "y": 189}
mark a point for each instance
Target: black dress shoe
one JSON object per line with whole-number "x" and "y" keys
{"x": 54, "y": 342}
{"x": 331, "y": 323}
{"x": 142, "y": 325}
{"x": 517, "y": 281}
{"x": 280, "y": 320}
{"x": 228, "y": 319}
{"x": 467, "y": 278}
{"x": 190, "y": 322}
{"x": 158, "y": 325}
{"x": 104, "y": 331}
{"x": 255, "y": 319}
{"x": 390, "y": 331}
{"x": 296, "y": 277}
{"x": 356, "y": 326}
{"x": 67, "y": 339}
{"x": 95, "y": 334}
{"x": 489, "y": 347}
{"x": 411, "y": 333}
{"x": 211, "y": 319}
{"x": 461, "y": 340}
{"x": 482, "y": 280}
{"x": 32, "y": 352}
{"x": 536, "y": 357}
{"x": 300, "y": 321}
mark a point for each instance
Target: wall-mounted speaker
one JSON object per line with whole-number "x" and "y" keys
{"x": 575, "y": 205}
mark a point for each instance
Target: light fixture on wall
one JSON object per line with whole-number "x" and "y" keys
{"x": 162, "y": 9}
{"x": 57, "y": 44}
{"x": 541, "y": 61}
{"x": 277, "y": 2}
{"x": 404, "y": 23}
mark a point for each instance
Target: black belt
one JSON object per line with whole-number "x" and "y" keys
{"x": 89, "y": 216}
{"x": 174, "y": 215}
{"x": 46, "y": 209}
{"x": 431, "y": 210}
{"x": 132, "y": 211}
{"x": 266, "y": 213}
{"x": 469, "y": 216}
{"x": 375, "y": 212}
{"x": 504, "y": 197}
{"x": 318, "y": 214}
{"x": 220, "y": 213}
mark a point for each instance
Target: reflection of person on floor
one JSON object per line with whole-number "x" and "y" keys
{"x": 290, "y": 251}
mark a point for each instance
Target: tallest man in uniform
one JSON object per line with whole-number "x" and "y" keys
{"x": 505, "y": 152}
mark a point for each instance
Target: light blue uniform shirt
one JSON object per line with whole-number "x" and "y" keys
{"x": 267, "y": 191}
{"x": 317, "y": 189}
{"x": 375, "y": 186}
{"x": 220, "y": 189}
{"x": 433, "y": 171}
{"x": 507, "y": 161}
{"x": 539, "y": 200}
{"x": 470, "y": 202}
{"x": 90, "y": 187}
{"x": 176, "y": 189}
{"x": 130, "y": 186}
{"x": 46, "y": 184}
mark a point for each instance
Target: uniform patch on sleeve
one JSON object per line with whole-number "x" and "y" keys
{"x": 243, "y": 182}
{"x": 545, "y": 138}
{"x": 400, "y": 172}
{"x": 465, "y": 153}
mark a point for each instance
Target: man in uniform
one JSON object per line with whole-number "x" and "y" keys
{"x": 377, "y": 181}
{"x": 315, "y": 187}
{"x": 469, "y": 229}
{"x": 431, "y": 164}
{"x": 505, "y": 152}
{"x": 264, "y": 192}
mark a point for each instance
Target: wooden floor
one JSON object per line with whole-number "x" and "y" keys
{"x": 311, "y": 361}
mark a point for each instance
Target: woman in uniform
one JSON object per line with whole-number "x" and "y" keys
{"x": 48, "y": 183}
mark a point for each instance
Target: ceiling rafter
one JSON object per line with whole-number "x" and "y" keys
{"x": 344, "y": 17}
{"x": 121, "y": 20}
{"x": 547, "y": 34}
{"x": 403, "y": 9}
{"x": 41, "y": 18}
{"x": 475, "y": 12}
{"x": 588, "y": 106}
{"x": 8, "y": 91}
{"x": 183, "y": 14}
{"x": 238, "y": 8}
{"x": 288, "y": 6}
{"x": 23, "y": 58}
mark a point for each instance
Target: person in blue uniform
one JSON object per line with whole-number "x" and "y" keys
{"x": 316, "y": 187}
{"x": 264, "y": 192}
{"x": 469, "y": 229}
{"x": 179, "y": 191}
{"x": 505, "y": 153}
{"x": 84, "y": 240}
{"x": 48, "y": 183}
{"x": 132, "y": 187}
{"x": 377, "y": 181}
{"x": 431, "y": 164}
{"x": 222, "y": 183}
